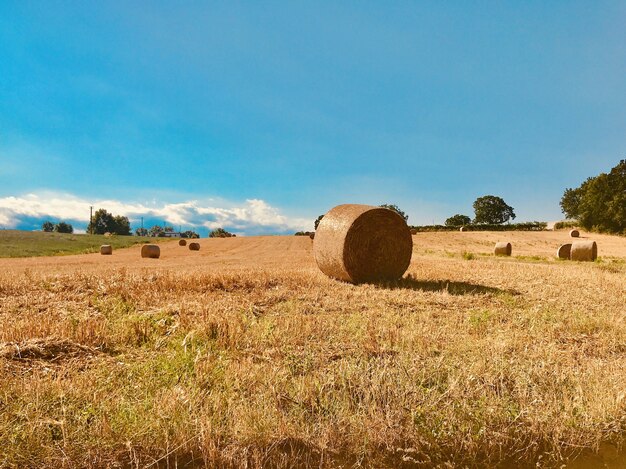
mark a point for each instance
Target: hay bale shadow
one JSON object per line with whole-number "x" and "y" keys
{"x": 453, "y": 288}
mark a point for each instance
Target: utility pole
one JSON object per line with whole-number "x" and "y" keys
{"x": 91, "y": 219}
{"x": 142, "y": 224}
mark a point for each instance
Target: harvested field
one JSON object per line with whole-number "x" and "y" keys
{"x": 245, "y": 354}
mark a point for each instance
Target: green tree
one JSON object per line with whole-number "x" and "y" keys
{"x": 599, "y": 203}
{"x": 156, "y": 231}
{"x": 47, "y": 226}
{"x": 317, "y": 221}
{"x": 63, "y": 227}
{"x": 397, "y": 210}
{"x": 105, "y": 222}
{"x": 121, "y": 225}
{"x": 219, "y": 233}
{"x": 492, "y": 210}
{"x": 458, "y": 220}
{"x": 189, "y": 234}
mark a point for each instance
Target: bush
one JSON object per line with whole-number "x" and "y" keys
{"x": 220, "y": 233}
{"x": 47, "y": 226}
{"x": 528, "y": 226}
{"x": 189, "y": 234}
{"x": 560, "y": 225}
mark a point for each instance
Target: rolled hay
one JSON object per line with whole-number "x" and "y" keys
{"x": 194, "y": 246}
{"x": 564, "y": 251}
{"x": 312, "y": 236}
{"x": 151, "y": 251}
{"x": 182, "y": 242}
{"x": 413, "y": 231}
{"x": 362, "y": 243}
{"x": 107, "y": 234}
{"x": 106, "y": 250}
{"x": 584, "y": 251}
{"x": 574, "y": 234}
{"x": 503, "y": 249}
{"x": 462, "y": 229}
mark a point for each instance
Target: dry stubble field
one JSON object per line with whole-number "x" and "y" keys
{"x": 245, "y": 355}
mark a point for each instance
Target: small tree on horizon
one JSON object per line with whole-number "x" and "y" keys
{"x": 491, "y": 209}
{"x": 63, "y": 227}
{"x": 47, "y": 226}
{"x": 141, "y": 232}
{"x": 105, "y": 222}
{"x": 458, "y": 220}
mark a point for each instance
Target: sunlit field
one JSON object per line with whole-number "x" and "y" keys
{"x": 244, "y": 355}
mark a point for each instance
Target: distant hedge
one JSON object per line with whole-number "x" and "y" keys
{"x": 529, "y": 226}
{"x": 559, "y": 225}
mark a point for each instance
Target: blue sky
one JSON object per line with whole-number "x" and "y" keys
{"x": 280, "y": 110}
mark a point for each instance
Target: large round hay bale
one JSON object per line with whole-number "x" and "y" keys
{"x": 413, "y": 231}
{"x": 462, "y": 229}
{"x": 194, "y": 246}
{"x": 564, "y": 251}
{"x": 312, "y": 235}
{"x": 574, "y": 233}
{"x": 503, "y": 249}
{"x": 361, "y": 243}
{"x": 151, "y": 251}
{"x": 106, "y": 250}
{"x": 182, "y": 242}
{"x": 107, "y": 234}
{"x": 584, "y": 251}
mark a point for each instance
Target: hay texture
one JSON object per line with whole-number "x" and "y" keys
{"x": 182, "y": 242}
{"x": 194, "y": 246}
{"x": 564, "y": 251}
{"x": 574, "y": 234}
{"x": 503, "y": 249}
{"x": 106, "y": 250}
{"x": 151, "y": 251}
{"x": 362, "y": 243}
{"x": 584, "y": 251}
{"x": 413, "y": 231}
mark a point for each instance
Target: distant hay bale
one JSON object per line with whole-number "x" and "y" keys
{"x": 574, "y": 233}
{"x": 194, "y": 246}
{"x": 107, "y": 234}
{"x": 413, "y": 231}
{"x": 312, "y": 236}
{"x": 361, "y": 243}
{"x": 151, "y": 251}
{"x": 584, "y": 251}
{"x": 503, "y": 249}
{"x": 462, "y": 229}
{"x": 106, "y": 250}
{"x": 182, "y": 242}
{"x": 564, "y": 251}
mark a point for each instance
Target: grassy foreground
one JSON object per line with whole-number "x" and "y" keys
{"x": 15, "y": 243}
{"x": 466, "y": 363}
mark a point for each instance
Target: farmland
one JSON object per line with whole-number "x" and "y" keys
{"x": 15, "y": 243}
{"x": 244, "y": 354}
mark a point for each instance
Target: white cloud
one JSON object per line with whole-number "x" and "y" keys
{"x": 254, "y": 216}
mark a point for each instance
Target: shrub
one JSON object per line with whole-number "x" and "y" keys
{"x": 458, "y": 220}
{"x": 47, "y": 226}
{"x": 220, "y": 233}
